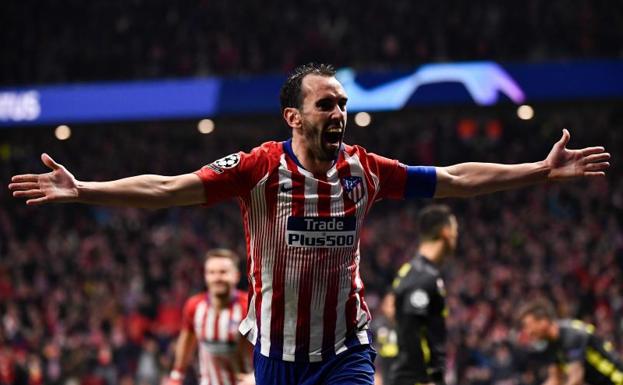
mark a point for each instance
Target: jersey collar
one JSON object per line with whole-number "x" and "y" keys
{"x": 287, "y": 146}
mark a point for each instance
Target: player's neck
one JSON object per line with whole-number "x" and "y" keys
{"x": 307, "y": 159}
{"x": 434, "y": 251}
{"x": 220, "y": 301}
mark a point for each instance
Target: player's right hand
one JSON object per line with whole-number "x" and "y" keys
{"x": 59, "y": 185}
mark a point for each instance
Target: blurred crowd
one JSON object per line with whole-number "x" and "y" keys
{"x": 46, "y": 41}
{"x": 93, "y": 295}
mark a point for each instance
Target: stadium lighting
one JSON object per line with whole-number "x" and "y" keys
{"x": 525, "y": 112}
{"x": 62, "y": 132}
{"x": 205, "y": 126}
{"x": 363, "y": 119}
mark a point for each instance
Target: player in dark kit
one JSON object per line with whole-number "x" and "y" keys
{"x": 574, "y": 353}
{"x": 420, "y": 302}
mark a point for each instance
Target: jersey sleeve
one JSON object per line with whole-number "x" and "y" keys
{"x": 391, "y": 174}
{"x": 234, "y": 175}
{"x": 575, "y": 343}
{"x": 399, "y": 181}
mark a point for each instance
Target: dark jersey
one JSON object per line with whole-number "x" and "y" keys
{"x": 420, "y": 319}
{"x": 577, "y": 343}
{"x": 386, "y": 345}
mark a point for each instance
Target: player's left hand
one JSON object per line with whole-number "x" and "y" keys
{"x": 245, "y": 379}
{"x": 568, "y": 164}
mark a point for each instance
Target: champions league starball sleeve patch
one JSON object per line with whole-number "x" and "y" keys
{"x": 220, "y": 165}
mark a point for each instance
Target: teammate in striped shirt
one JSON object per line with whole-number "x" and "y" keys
{"x": 210, "y": 321}
{"x": 304, "y": 202}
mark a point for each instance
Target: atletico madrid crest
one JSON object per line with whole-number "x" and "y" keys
{"x": 353, "y": 185}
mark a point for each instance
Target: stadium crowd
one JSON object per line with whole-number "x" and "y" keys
{"x": 105, "y": 40}
{"x": 93, "y": 296}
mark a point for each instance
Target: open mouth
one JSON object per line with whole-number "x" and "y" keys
{"x": 333, "y": 137}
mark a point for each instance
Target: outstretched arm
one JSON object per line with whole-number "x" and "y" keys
{"x": 147, "y": 191}
{"x": 561, "y": 164}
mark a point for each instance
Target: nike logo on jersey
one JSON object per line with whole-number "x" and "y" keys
{"x": 286, "y": 188}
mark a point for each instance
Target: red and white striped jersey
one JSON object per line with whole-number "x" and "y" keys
{"x": 220, "y": 354}
{"x": 302, "y": 233}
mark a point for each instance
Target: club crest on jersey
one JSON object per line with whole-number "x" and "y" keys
{"x": 220, "y": 165}
{"x": 419, "y": 299}
{"x": 353, "y": 185}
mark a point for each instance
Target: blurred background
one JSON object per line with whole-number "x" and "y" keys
{"x": 93, "y": 295}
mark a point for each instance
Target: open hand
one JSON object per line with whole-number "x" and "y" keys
{"x": 568, "y": 164}
{"x": 59, "y": 185}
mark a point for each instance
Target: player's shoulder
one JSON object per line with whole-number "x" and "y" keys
{"x": 352, "y": 149}
{"x": 193, "y": 301}
{"x": 576, "y": 325}
{"x": 356, "y": 150}
{"x": 269, "y": 147}
{"x": 421, "y": 279}
{"x": 264, "y": 150}
{"x": 416, "y": 275}
{"x": 242, "y": 297}
{"x": 574, "y": 332}
{"x": 368, "y": 158}
{"x": 258, "y": 160}
{"x": 423, "y": 267}
{"x": 267, "y": 153}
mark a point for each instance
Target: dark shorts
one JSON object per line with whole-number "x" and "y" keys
{"x": 355, "y": 366}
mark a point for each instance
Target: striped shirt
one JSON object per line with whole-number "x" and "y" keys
{"x": 302, "y": 233}
{"x": 221, "y": 356}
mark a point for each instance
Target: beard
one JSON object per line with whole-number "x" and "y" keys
{"x": 221, "y": 290}
{"x": 323, "y": 146}
{"x": 329, "y": 152}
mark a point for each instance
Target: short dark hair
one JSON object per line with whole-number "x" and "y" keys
{"x": 538, "y": 308}
{"x": 431, "y": 220}
{"x": 223, "y": 253}
{"x": 290, "y": 95}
